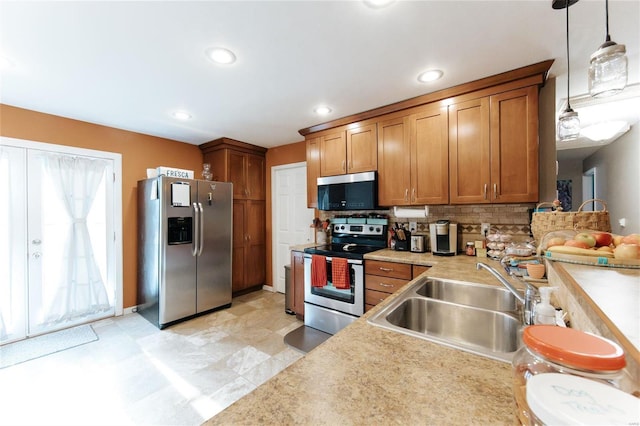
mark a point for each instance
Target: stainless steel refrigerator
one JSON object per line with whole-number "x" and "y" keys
{"x": 184, "y": 248}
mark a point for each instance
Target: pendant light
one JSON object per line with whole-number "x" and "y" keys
{"x": 568, "y": 123}
{"x": 608, "y": 66}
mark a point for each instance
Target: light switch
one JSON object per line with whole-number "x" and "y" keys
{"x": 622, "y": 222}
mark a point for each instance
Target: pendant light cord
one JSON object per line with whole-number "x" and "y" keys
{"x": 568, "y": 73}
{"x": 606, "y": 3}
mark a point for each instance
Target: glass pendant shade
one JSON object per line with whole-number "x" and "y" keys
{"x": 608, "y": 70}
{"x": 568, "y": 125}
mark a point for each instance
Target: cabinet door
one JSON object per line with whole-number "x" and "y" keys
{"x": 237, "y": 174}
{"x": 255, "y": 251}
{"x": 313, "y": 171}
{"x": 469, "y": 152}
{"x": 297, "y": 275}
{"x": 239, "y": 240}
{"x": 333, "y": 154}
{"x": 394, "y": 177}
{"x": 514, "y": 146}
{"x": 430, "y": 157}
{"x": 362, "y": 153}
{"x": 255, "y": 177}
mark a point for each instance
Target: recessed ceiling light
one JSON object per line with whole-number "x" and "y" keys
{"x": 322, "y": 110}
{"x": 220, "y": 55}
{"x": 430, "y": 75}
{"x": 181, "y": 115}
{"x": 378, "y": 4}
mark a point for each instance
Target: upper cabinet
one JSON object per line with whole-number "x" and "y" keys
{"x": 241, "y": 163}
{"x": 353, "y": 150}
{"x": 313, "y": 171}
{"x": 493, "y": 148}
{"x": 413, "y": 158}
{"x": 474, "y": 143}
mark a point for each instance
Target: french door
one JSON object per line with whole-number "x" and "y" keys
{"x": 60, "y": 257}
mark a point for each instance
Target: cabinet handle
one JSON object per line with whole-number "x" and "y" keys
{"x": 413, "y": 194}
{"x": 406, "y": 194}
{"x": 386, "y": 269}
{"x": 343, "y": 163}
{"x": 386, "y": 285}
{"x": 495, "y": 191}
{"x": 485, "y": 191}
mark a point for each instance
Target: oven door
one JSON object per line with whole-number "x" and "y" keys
{"x": 349, "y": 301}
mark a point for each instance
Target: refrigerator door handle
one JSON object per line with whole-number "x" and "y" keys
{"x": 201, "y": 229}
{"x": 196, "y": 233}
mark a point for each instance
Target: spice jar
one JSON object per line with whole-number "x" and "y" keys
{"x": 471, "y": 249}
{"x": 552, "y": 349}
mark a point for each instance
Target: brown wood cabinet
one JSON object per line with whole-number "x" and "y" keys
{"x": 313, "y": 171}
{"x": 297, "y": 284}
{"x": 353, "y": 150}
{"x": 243, "y": 164}
{"x": 493, "y": 148}
{"x": 382, "y": 279}
{"x": 413, "y": 158}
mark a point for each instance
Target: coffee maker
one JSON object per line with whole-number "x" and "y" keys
{"x": 444, "y": 238}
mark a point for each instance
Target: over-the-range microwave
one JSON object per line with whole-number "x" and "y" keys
{"x": 357, "y": 191}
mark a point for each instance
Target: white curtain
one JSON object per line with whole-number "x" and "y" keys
{"x": 81, "y": 290}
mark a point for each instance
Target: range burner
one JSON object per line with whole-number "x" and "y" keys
{"x": 353, "y": 241}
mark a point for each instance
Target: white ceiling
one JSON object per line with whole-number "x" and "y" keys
{"x": 130, "y": 64}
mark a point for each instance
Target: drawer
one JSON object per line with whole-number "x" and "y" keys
{"x": 418, "y": 269}
{"x": 383, "y": 284}
{"x": 372, "y": 297}
{"x": 388, "y": 269}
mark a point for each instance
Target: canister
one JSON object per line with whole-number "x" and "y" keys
{"x": 471, "y": 249}
{"x": 552, "y": 349}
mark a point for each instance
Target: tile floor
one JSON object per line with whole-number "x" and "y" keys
{"x": 136, "y": 374}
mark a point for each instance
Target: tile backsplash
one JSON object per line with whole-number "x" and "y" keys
{"x": 512, "y": 219}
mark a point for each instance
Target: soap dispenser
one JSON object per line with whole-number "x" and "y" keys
{"x": 545, "y": 312}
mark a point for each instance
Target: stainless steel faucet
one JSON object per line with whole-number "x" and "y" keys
{"x": 529, "y": 299}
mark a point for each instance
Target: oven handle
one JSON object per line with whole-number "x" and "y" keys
{"x": 329, "y": 258}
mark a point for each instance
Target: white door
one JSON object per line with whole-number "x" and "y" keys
{"x": 291, "y": 219}
{"x": 59, "y": 255}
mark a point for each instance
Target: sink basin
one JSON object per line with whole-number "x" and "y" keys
{"x": 451, "y": 317}
{"x": 471, "y": 294}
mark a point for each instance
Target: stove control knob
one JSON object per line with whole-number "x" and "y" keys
{"x": 371, "y": 228}
{"x": 377, "y": 229}
{"x": 342, "y": 227}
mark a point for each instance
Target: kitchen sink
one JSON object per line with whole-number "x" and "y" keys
{"x": 451, "y": 317}
{"x": 470, "y": 294}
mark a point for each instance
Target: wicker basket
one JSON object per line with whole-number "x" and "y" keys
{"x": 543, "y": 222}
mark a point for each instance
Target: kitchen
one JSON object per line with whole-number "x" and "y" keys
{"x": 142, "y": 151}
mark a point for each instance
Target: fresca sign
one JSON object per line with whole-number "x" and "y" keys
{"x": 175, "y": 173}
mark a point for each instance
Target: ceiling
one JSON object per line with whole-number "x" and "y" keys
{"x": 131, "y": 64}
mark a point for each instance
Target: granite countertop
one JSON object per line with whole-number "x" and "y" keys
{"x": 365, "y": 374}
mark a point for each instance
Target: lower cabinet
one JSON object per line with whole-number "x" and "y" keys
{"x": 249, "y": 248}
{"x": 297, "y": 283}
{"x": 382, "y": 279}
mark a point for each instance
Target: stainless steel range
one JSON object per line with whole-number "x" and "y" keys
{"x": 328, "y": 307}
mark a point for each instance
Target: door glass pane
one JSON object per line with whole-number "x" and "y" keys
{"x": 12, "y": 244}
{"x": 68, "y": 238}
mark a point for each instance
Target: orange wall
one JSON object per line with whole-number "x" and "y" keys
{"x": 285, "y": 154}
{"x": 139, "y": 152}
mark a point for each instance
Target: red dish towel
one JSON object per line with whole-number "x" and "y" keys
{"x": 340, "y": 272}
{"x": 318, "y": 271}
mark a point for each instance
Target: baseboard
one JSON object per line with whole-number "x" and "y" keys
{"x": 269, "y": 288}
{"x": 130, "y": 310}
